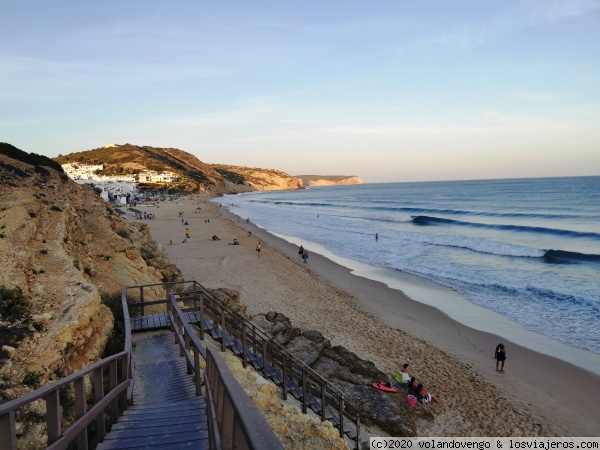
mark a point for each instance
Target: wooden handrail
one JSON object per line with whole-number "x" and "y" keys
{"x": 234, "y": 420}
{"x": 56, "y": 438}
{"x": 120, "y": 394}
{"x": 272, "y": 353}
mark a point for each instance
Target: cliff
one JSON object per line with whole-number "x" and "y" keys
{"x": 241, "y": 179}
{"x": 328, "y": 180}
{"x": 61, "y": 249}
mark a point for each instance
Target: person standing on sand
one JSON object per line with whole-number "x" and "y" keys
{"x": 305, "y": 256}
{"x": 500, "y": 357}
{"x": 258, "y": 249}
{"x": 376, "y": 236}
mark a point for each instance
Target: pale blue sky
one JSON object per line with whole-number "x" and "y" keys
{"x": 386, "y": 90}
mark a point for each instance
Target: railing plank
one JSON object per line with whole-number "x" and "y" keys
{"x": 98, "y": 396}
{"x": 8, "y": 431}
{"x": 53, "y": 416}
{"x": 80, "y": 409}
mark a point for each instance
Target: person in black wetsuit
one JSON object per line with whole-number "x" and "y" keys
{"x": 500, "y": 357}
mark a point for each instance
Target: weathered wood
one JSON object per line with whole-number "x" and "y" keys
{"x": 80, "y": 409}
{"x": 53, "y": 416}
{"x": 98, "y": 396}
{"x": 8, "y": 431}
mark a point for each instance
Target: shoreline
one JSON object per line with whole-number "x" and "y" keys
{"x": 554, "y": 391}
{"x": 449, "y": 302}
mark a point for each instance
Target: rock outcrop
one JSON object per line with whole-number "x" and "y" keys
{"x": 61, "y": 248}
{"x": 351, "y": 374}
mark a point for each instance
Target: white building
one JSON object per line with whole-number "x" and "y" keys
{"x": 80, "y": 171}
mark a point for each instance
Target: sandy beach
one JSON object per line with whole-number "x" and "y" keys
{"x": 537, "y": 396}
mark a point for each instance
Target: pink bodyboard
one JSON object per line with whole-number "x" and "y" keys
{"x": 383, "y": 387}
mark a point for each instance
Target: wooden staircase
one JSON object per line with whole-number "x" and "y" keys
{"x": 166, "y": 412}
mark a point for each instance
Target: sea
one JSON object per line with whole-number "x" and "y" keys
{"x": 526, "y": 249}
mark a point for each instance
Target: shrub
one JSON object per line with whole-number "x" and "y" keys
{"x": 116, "y": 340}
{"x": 76, "y": 264}
{"x": 32, "y": 214}
{"x": 1, "y": 235}
{"x": 44, "y": 251}
{"x": 87, "y": 271}
{"x": 56, "y": 208}
{"x": 125, "y": 234}
{"x": 32, "y": 379}
{"x": 13, "y": 303}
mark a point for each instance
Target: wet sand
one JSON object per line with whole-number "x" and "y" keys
{"x": 538, "y": 394}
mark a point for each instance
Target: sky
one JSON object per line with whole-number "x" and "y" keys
{"x": 385, "y": 90}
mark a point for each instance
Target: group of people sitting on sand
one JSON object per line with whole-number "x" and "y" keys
{"x": 404, "y": 379}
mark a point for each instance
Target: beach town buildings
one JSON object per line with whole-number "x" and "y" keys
{"x": 120, "y": 188}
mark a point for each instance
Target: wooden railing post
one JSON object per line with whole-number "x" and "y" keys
{"x": 304, "y": 400}
{"x": 8, "y": 429}
{"x": 341, "y": 412}
{"x": 264, "y": 357}
{"x": 323, "y": 401}
{"x": 80, "y": 409}
{"x": 244, "y": 344}
{"x": 197, "y": 371}
{"x": 98, "y": 396}
{"x": 126, "y": 374}
{"x": 53, "y": 416}
{"x": 223, "y": 343}
{"x": 201, "y": 312}
{"x": 357, "y": 431}
{"x": 181, "y": 333}
{"x": 114, "y": 404}
{"x": 186, "y": 339}
{"x": 285, "y": 386}
{"x": 142, "y": 300}
{"x": 177, "y": 328}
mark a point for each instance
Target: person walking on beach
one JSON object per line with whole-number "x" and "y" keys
{"x": 500, "y": 357}
{"x": 258, "y": 249}
{"x": 376, "y": 236}
{"x": 187, "y": 232}
{"x": 305, "y": 256}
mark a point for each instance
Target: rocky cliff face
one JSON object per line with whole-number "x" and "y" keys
{"x": 61, "y": 247}
{"x": 244, "y": 179}
{"x": 325, "y": 180}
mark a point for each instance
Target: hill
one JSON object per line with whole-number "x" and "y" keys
{"x": 195, "y": 175}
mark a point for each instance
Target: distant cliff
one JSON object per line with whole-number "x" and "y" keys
{"x": 328, "y": 180}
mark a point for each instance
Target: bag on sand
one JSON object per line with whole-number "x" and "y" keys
{"x": 411, "y": 400}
